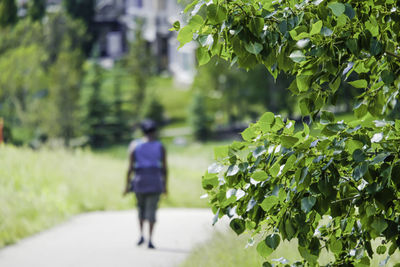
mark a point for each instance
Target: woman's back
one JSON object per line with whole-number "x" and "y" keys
{"x": 148, "y": 154}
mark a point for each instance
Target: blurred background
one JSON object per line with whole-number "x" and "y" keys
{"x": 76, "y": 76}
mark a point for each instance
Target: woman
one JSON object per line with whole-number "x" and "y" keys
{"x": 147, "y": 160}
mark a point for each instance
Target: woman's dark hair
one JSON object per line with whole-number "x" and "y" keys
{"x": 148, "y": 126}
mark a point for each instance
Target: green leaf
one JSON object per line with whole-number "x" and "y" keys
{"x": 360, "y": 171}
{"x": 203, "y": 55}
{"x": 306, "y": 106}
{"x": 273, "y": 241}
{"x": 232, "y": 170}
{"x": 238, "y": 225}
{"x": 359, "y": 84}
{"x": 253, "y": 48}
{"x": 221, "y": 152}
{"x": 176, "y": 26}
{"x": 327, "y": 117}
{"x": 352, "y": 45}
{"x": 297, "y": 56}
{"x": 259, "y": 175}
{"x": 335, "y": 84}
{"x": 216, "y": 14}
{"x": 392, "y": 249}
{"x": 379, "y": 225}
{"x": 269, "y": 202}
{"x": 337, "y": 8}
{"x": 289, "y": 164}
{"x": 210, "y": 181}
{"x": 263, "y": 249}
{"x": 325, "y": 31}
{"x": 289, "y": 229}
{"x": 267, "y": 264}
{"x": 307, "y": 203}
{"x": 375, "y": 47}
{"x": 316, "y": 27}
{"x": 358, "y": 155}
{"x": 303, "y": 82}
{"x": 387, "y": 77}
{"x": 275, "y": 168}
{"x": 381, "y": 250}
{"x": 350, "y": 12}
{"x": 196, "y": 22}
{"x": 335, "y": 245}
{"x": 185, "y": 35}
{"x": 268, "y": 117}
{"x": 256, "y": 25}
{"x": 249, "y": 134}
{"x": 288, "y": 141}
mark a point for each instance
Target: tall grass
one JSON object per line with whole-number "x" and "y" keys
{"x": 41, "y": 188}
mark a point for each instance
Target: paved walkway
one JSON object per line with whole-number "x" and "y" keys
{"x": 109, "y": 239}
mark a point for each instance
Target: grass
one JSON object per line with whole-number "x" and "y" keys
{"x": 39, "y": 189}
{"x": 227, "y": 249}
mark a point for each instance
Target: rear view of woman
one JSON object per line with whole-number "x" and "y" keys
{"x": 147, "y": 161}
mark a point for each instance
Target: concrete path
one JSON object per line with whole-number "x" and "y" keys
{"x": 109, "y": 239}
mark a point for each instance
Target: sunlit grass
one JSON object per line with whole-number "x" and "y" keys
{"x": 41, "y": 188}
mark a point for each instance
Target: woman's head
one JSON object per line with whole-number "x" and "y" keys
{"x": 148, "y": 126}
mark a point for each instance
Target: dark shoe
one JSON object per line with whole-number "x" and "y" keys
{"x": 141, "y": 241}
{"x": 151, "y": 245}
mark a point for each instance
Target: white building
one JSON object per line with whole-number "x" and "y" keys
{"x": 117, "y": 20}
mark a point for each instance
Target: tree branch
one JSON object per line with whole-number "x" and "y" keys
{"x": 345, "y": 199}
{"x": 392, "y": 54}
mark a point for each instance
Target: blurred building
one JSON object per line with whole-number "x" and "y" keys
{"x": 116, "y": 21}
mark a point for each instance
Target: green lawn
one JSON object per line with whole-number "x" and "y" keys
{"x": 39, "y": 189}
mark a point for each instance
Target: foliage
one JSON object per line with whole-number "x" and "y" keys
{"x": 199, "y": 119}
{"x": 139, "y": 64}
{"x": 8, "y": 13}
{"x": 97, "y": 109}
{"x": 64, "y": 90}
{"x": 37, "y": 9}
{"x": 84, "y": 11}
{"x": 22, "y": 83}
{"x": 228, "y": 90}
{"x": 153, "y": 109}
{"x": 280, "y": 183}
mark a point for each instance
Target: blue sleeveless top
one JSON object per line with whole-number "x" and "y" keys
{"x": 148, "y": 155}
{"x": 148, "y": 172}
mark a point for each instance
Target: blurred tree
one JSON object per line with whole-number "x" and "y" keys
{"x": 65, "y": 83}
{"x": 83, "y": 10}
{"x": 199, "y": 120}
{"x": 37, "y": 9}
{"x": 153, "y": 109}
{"x": 22, "y": 83}
{"x": 8, "y": 12}
{"x": 63, "y": 33}
{"x": 97, "y": 109}
{"x": 120, "y": 122}
{"x": 24, "y": 33}
{"x": 239, "y": 95}
{"x": 140, "y": 65}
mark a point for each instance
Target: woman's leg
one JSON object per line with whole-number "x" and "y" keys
{"x": 151, "y": 207}
{"x": 140, "y": 198}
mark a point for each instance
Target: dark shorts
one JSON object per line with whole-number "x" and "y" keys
{"x": 147, "y": 204}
